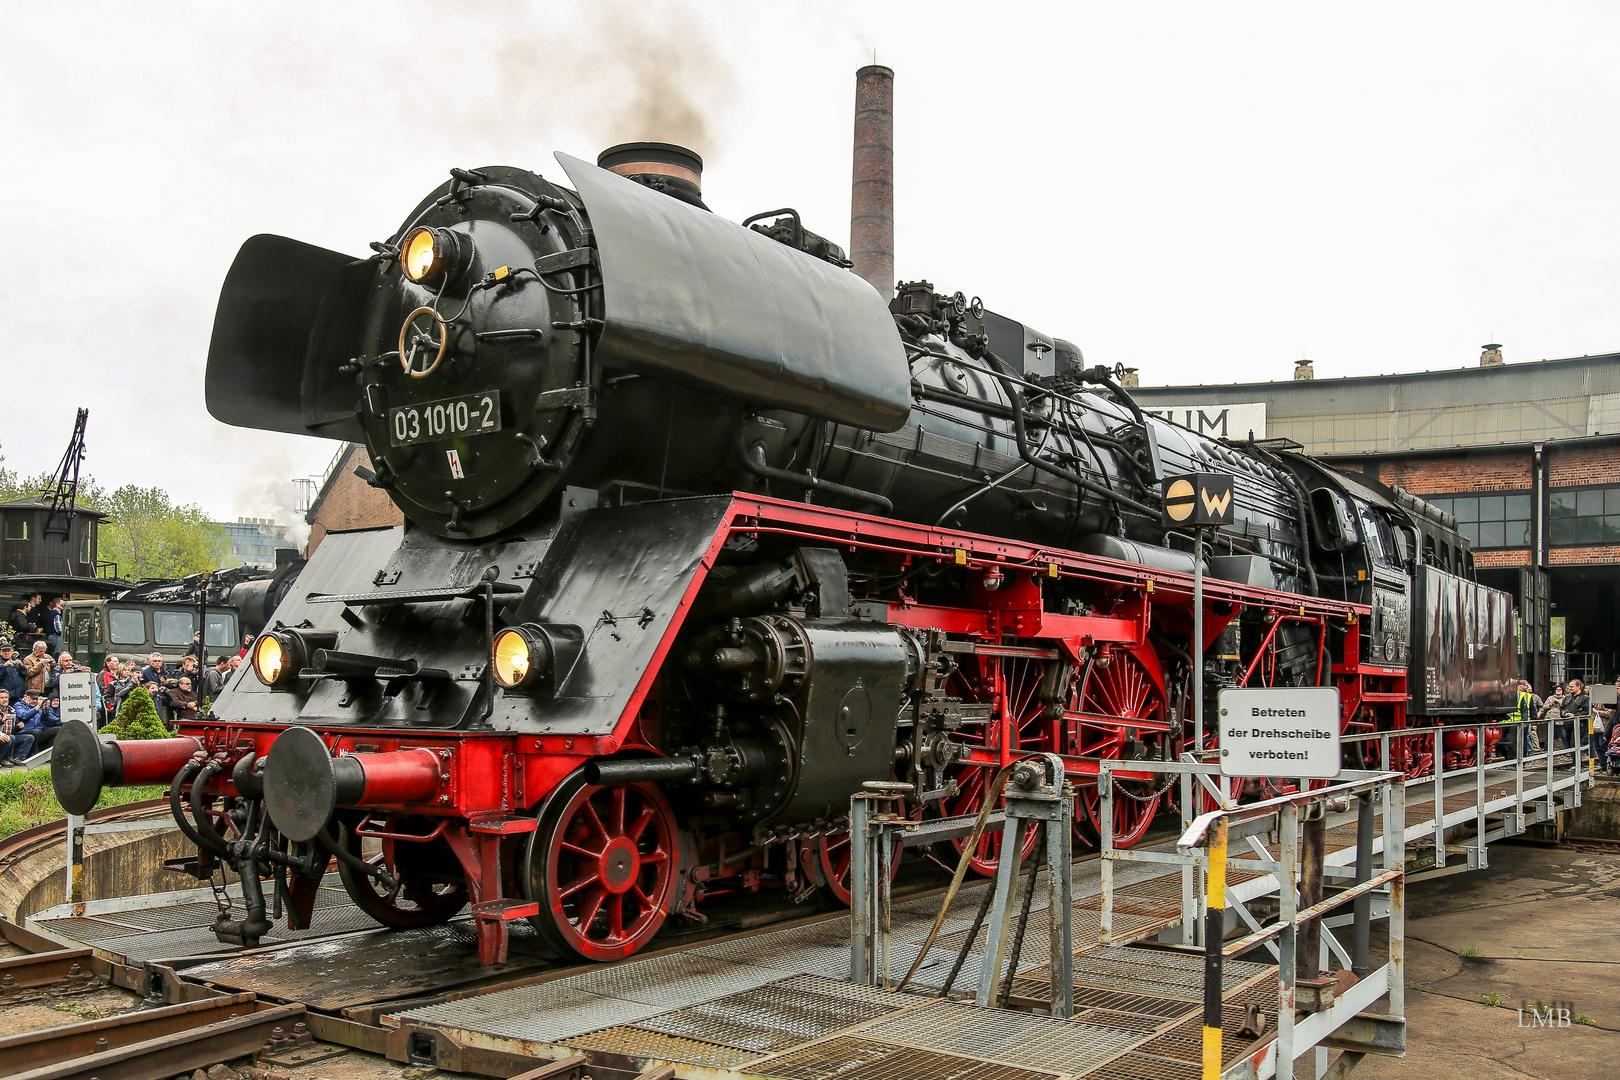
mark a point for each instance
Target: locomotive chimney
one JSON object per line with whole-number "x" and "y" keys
{"x": 871, "y": 204}
{"x": 1491, "y": 356}
{"x": 1303, "y": 372}
{"x": 674, "y": 170}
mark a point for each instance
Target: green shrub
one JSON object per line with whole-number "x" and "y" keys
{"x": 137, "y": 718}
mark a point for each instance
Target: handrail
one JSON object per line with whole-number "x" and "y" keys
{"x": 1196, "y": 832}
{"x": 1244, "y": 944}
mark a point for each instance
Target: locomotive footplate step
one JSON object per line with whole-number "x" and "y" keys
{"x": 505, "y": 910}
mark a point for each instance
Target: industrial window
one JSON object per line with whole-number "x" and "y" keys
{"x": 1584, "y": 515}
{"x": 16, "y": 528}
{"x": 127, "y": 626}
{"x": 1489, "y": 521}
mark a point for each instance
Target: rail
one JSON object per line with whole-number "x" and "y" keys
{"x": 193, "y": 1039}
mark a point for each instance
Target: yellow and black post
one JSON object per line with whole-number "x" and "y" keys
{"x": 1214, "y": 938}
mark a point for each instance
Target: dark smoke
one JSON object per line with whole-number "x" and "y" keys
{"x": 622, "y": 72}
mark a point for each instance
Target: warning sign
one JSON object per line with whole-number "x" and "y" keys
{"x": 78, "y": 692}
{"x": 1287, "y": 732}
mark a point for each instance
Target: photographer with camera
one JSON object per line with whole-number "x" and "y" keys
{"x": 37, "y": 667}
{"x": 40, "y": 718}
{"x": 158, "y": 681}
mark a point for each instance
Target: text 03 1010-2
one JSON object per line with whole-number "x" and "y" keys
{"x": 471, "y": 414}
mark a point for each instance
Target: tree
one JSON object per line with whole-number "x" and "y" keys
{"x": 145, "y": 534}
{"x": 137, "y": 718}
{"x": 13, "y": 486}
{"x": 150, "y": 537}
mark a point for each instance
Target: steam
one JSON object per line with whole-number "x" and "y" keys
{"x": 278, "y": 500}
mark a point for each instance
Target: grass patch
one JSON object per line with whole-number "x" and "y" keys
{"x": 1492, "y": 998}
{"x": 1470, "y": 951}
{"x": 26, "y": 799}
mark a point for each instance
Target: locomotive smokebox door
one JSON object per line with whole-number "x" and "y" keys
{"x": 1198, "y": 499}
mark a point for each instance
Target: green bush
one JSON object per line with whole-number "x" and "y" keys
{"x": 137, "y": 718}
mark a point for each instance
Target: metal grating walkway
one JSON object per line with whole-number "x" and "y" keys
{"x": 774, "y": 1003}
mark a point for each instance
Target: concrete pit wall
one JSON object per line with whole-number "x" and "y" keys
{"x": 115, "y": 864}
{"x": 1599, "y": 813}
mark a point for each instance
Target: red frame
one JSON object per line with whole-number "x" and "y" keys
{"x": 489, "y": 783}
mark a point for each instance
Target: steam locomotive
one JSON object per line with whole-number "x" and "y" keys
{"x": 701, "y": 535}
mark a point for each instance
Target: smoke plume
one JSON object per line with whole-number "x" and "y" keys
{"x": 627, "y": 72}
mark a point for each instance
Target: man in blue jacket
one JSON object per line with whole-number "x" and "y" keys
{"x": 51, "y": 625}
{"x": 40, "y": 719}
{"x": 12, "y": 680}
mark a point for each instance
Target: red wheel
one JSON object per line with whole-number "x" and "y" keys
{"x": 833, "y": 855}
{"x": 603, "y": 866}
{"x": 1017, "y": 726}
{"x": 1122, "y": 689}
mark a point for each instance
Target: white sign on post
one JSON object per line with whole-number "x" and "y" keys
{"x": 1287, "y": 732}
{"x": 78, "y": 693}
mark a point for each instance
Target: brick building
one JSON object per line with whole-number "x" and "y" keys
{"x": 347, "y": 502}
{"x": 1526, "y": 456}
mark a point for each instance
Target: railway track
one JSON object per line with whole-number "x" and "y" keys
{"x": 191, "y": 1022}
{"x": 150, "y": 1044}
{"x": 51, "y": 974}
{"x": 200, "y": 1024}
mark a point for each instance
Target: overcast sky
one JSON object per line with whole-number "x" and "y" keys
{"x": 1206, "y": 192}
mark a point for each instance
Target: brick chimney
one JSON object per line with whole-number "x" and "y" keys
{"x": 1303, "y": 372}
{"x": 1491, "y": 357}
{"x": 1132, "y": 379}
{"x": 871, "y": 204}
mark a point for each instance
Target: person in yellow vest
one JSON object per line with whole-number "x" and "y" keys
{"x": 1524, "y": 714}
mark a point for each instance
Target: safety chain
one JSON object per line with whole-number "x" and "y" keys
{"x": 1169, "y": 782}
{"x": 221, "y": 897}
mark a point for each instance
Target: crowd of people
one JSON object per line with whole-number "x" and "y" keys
{"x": 1573, "y": 716}
{"x": 35, "y": 619}
{"x": 177, "y": 693}
{"x": 31, "y": 702}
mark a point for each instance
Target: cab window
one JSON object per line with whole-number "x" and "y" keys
{"x": 1372, "y": 529}
{"x": 172, "y": 627}
{"x": 126, "y": 626}
{"x": 221, "y": 630}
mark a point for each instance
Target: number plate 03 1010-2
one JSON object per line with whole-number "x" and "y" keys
{"x": 451, "y": 418}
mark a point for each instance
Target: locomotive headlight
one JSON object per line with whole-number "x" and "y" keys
{"x": 269, "y": 660}
{"x": 416, "y": 257}
{"x": 429, "y": 256}
{"x": 280, "y": 655}
{"x": 520, "y": 657}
